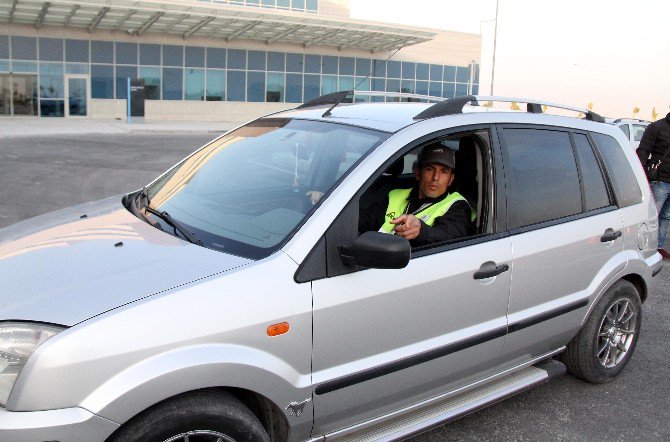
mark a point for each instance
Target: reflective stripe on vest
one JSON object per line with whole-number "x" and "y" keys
{"x": 398, "y": 203}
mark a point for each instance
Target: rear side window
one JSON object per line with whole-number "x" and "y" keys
{"x": 624, "y": 128}
{"x": 541, "y": 174}
{"x": 626, "y": 187}
{"x": 595, "y": 191}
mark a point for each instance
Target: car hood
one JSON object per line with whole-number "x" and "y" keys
{"x": 67, "y": 266}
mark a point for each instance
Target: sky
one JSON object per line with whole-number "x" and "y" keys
{"x": 614, "y": 54}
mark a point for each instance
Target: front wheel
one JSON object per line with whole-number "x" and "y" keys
{"x": 606, "y": 342}
{"x": 204, "y": 416}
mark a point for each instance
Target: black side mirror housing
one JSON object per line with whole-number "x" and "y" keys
{"x": 376, "y": 250}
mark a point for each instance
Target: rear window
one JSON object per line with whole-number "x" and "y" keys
{"x": 626, "y": 187}
{"x": 542, "y": 178}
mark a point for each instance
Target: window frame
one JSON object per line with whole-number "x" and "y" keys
{"x": 568, "y": 218}
{"x": 323, "y": 260}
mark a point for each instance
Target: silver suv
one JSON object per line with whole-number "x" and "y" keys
{"x": 234, "y": 297}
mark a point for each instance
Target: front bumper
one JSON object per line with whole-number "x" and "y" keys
{"x": 68, "y": 424}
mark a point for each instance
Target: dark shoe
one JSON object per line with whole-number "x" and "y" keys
{"x": 664, "y": 254}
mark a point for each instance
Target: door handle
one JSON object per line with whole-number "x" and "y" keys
{"x": 490, "y": 269}
{"x": 610, "y": 235}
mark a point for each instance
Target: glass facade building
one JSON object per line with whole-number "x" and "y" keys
{"x": 175, "y": 72}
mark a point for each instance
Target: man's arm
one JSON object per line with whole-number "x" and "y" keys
{"x": 371, "y": 218}
{"x": 453, "y": 224}
{"x": 647, "y": 143}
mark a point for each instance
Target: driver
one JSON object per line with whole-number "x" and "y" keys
{"x": 427, "y": 213}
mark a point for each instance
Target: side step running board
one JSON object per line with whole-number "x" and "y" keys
{"x": 447, "y": 409}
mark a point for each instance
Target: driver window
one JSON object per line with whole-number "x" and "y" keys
{"x": 439, "y": 187}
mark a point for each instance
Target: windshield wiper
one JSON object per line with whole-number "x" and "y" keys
{"x": 190, "y": 236}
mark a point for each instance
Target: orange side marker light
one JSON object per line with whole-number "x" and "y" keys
{"x": 278, "y": 329}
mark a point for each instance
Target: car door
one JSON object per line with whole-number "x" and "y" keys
{"x": 565, "y": 230}
{"x": 385, "y": 339}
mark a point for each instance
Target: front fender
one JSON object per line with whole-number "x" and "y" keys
{"x": 202, "y": 366}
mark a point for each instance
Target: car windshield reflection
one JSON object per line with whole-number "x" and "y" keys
{"x": 246, "y": 192}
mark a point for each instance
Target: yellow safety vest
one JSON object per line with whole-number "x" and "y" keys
{"x": 398, "y": 204}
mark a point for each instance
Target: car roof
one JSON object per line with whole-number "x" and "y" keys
{"x": 387, "y": 117}
{"x": 394, "y": 116}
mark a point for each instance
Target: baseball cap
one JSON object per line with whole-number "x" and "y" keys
{"x": 437, "y": 153}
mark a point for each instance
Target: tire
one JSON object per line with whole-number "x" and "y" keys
{"x": 202, "y": 416}
{"x": 606, "y": 342}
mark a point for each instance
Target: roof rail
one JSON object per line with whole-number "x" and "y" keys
{"x": 339, "y": 97}
{"x": 630, "y": 119}
{"x": 455, "y": 106}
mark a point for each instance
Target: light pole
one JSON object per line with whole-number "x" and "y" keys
{"x": 495, "y": 38}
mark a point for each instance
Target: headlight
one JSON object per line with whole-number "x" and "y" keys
{"x": 18, "y": 340}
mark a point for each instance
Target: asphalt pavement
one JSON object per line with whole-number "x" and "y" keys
{"x": 44, "y": 169}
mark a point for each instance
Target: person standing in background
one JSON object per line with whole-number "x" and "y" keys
{"x": 655, "y": 148}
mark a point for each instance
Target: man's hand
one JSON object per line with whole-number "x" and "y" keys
{"x": 314, "y": 196}
{"x": 407, "y": 226}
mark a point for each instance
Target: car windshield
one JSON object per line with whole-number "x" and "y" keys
{"x": 246, "y": 192}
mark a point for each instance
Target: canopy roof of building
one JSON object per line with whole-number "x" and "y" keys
{"x": 211, "y": 19}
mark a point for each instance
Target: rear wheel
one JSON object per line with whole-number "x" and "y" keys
{"x": 606, "y": 342}
{"x": 205, "y": 416}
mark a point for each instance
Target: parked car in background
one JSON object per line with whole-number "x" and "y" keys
{"x": 632, "y": 128}
{"x": 223, "y": 303}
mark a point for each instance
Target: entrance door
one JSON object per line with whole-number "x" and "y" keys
{"x": 77, "y": 93}
{"x": 18, "y": 94}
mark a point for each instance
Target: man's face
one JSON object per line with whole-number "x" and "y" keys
{"x": 434, "y": 179}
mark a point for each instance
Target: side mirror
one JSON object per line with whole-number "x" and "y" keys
{"x": 376, "y": 250}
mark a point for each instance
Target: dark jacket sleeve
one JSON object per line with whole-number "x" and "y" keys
{"x": 453, "y": 224}
{"x": 647, "y": 143}
{"x": 371, "y": 218}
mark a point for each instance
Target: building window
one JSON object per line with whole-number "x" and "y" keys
{"x": 311, "y": 87}
{"x": 347, "y": 66}
{"x": 102, "y": 81}
{"x": 448, "y": 90}
{"x": 216, "y": 58}
{"x": 256, "y": 86}
{"x": 237, "y": 59}
{"x": 346, "y": 83}
{"x": 150, "y": 54}
{"x": 256, "y": 60}
{"x": 392, "y": 69}
{"x": 216, "y": 85}
{"x": 194, "y": 84}
{"x": 363, "y": 67}
{"x": 294, "y": 62}
{"x": 436, "y": 72}
{"x": 236, "y": 85}
{"x": 4, "y": 46}
{"x": 329, "y": 65}
{"x": 24, "y": 48}
{"x": 435, "y": 89}
{"x": 172, "y": 83}
{"x": 312, "y": 64}
{"x": 102, "y": 52}
{"x": 276, "y": 61}
{"x": 294, "y": 88}
{"x": 126, "y": 53}
{"x": 312, "y": 5}
{"x": 462, "y": 74}
{"x": 408, "y": 70}
{"x": 173, "y": 56}
{"x": 123, "y": 73}
{"x": 51, "y": 49}
{"x": 51, "y": 80}
{"x": 76, "y": 51}
{"x": 422, "y": 71}
{"x": 194, "y": 57}
{"x": 152, "y": 82}
{"x": 274, "y": 91}
{"x": 77, "y": 68}
{"x": 422, "y": 87}
{"x": 461, "y": 89}
{"x": 449, "y": 74}
{"x": 328, "y": 84}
